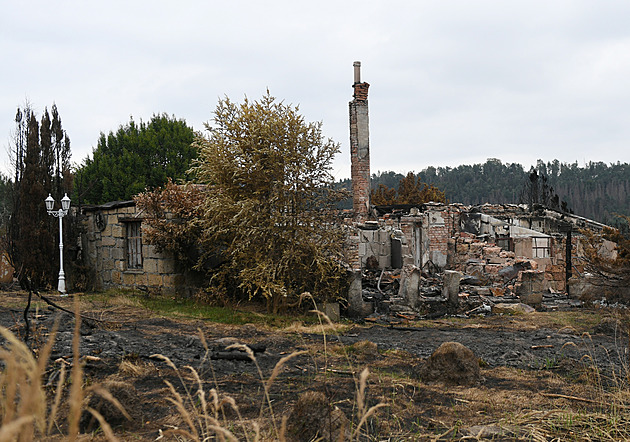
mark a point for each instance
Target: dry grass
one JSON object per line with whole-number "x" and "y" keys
{"x": 135, "y": 368}
{"x": 204, "y": 419}
{"x": 329, "y": 328}
{"x": 582, "y": 402}
{"x": 23, "y": 397}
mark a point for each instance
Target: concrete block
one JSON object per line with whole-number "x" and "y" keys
{"x": 362, "y": 249}
{"x": 450, "y": 289}
{"x": 436, "y": 219}
{"x": 482, "y": 291}
{"x": 129, "y": 279}
{"x": 386, "y": 248}
{"x": 154, "y": 280}
{"x": 331, "y": 309}
{"x": 150, "y": 265}
{"x": 532, "y": 299}
{"x": 384, "y": 261}
{"x": 357, "y": 308}
{"x": 531, "y": 287}
{"x": 108, "y": 241}
{"x": 439, "y": 258}
{"x": 166, "y": 266}
{"x": 409, "y": 285}
{"x": 511, "y": 309}
{"x": 367, "y": 235}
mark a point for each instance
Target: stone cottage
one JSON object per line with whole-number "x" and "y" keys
{"x": 114, "y": 248}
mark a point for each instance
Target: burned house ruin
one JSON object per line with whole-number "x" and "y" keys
{"x": 506, "y": 251}
{"x": 502, "y": 251}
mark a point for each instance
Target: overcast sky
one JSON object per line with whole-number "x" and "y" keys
{"x": 452, "y": 82}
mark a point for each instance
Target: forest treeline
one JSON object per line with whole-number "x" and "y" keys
{"x": 596, "y": 190}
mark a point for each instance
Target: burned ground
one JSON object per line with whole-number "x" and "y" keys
{"x": 537, "y": 363}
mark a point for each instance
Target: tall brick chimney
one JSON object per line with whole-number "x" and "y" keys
{"x": 360, "y": 146}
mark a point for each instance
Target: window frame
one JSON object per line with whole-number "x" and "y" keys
{"x": 539, "y": 249}
{"x": 134, "y": 259}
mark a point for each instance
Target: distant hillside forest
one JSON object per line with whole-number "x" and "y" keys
{"x": 597, "y": 190}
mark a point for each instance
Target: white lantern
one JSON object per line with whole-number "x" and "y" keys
{"x": 65, "y": 203}
{"x": 50, "y": 203}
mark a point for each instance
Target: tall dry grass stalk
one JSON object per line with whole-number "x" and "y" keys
{"x": 363, "y": 414}
{"x": 23, "y": 400}
{"x": 199, "y": 414}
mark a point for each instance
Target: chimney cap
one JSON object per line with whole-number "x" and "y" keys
{"x": 357, "y": 72}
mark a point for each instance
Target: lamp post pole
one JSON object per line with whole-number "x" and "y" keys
{"x": 65, "y": 206}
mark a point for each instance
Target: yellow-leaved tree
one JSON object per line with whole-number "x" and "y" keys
{"x": 270, "y": 204}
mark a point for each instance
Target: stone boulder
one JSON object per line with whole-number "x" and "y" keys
{"x": 512, "y": 309}
{"x": 452, "y": 363}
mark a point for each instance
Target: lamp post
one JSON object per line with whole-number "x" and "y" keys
{"x": 65, "y": 206}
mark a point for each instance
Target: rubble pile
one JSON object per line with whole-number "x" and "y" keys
{"x": 483, "y": 276}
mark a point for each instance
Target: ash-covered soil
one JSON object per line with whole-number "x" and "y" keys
{"x": 121, "y": 341}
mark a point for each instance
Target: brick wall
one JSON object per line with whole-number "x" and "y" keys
{"x": 360, "y": 151}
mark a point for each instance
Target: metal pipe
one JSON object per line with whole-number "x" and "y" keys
{"x": 357, "y": 72}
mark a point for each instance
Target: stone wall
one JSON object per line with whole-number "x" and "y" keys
{"x": 105, "y": 250}
{"x": 477, "y": 257}
{"x": 423, "y": 238}
{"x": 377, "y": 244}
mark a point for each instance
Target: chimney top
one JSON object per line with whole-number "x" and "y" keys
{"x": 357, "y": 72}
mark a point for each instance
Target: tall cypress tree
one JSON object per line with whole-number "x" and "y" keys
{"x": 33, "y": 251}
{"x": 61, "y": 175}
{"x": 46, "y": 149}
{"x": 40, "y": 155}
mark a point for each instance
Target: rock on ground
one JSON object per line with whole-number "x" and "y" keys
{"x": 512, "y": 309}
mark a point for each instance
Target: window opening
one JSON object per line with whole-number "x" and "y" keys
{"x": 134, "y": 244}
{"x": 541, "y": 247}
